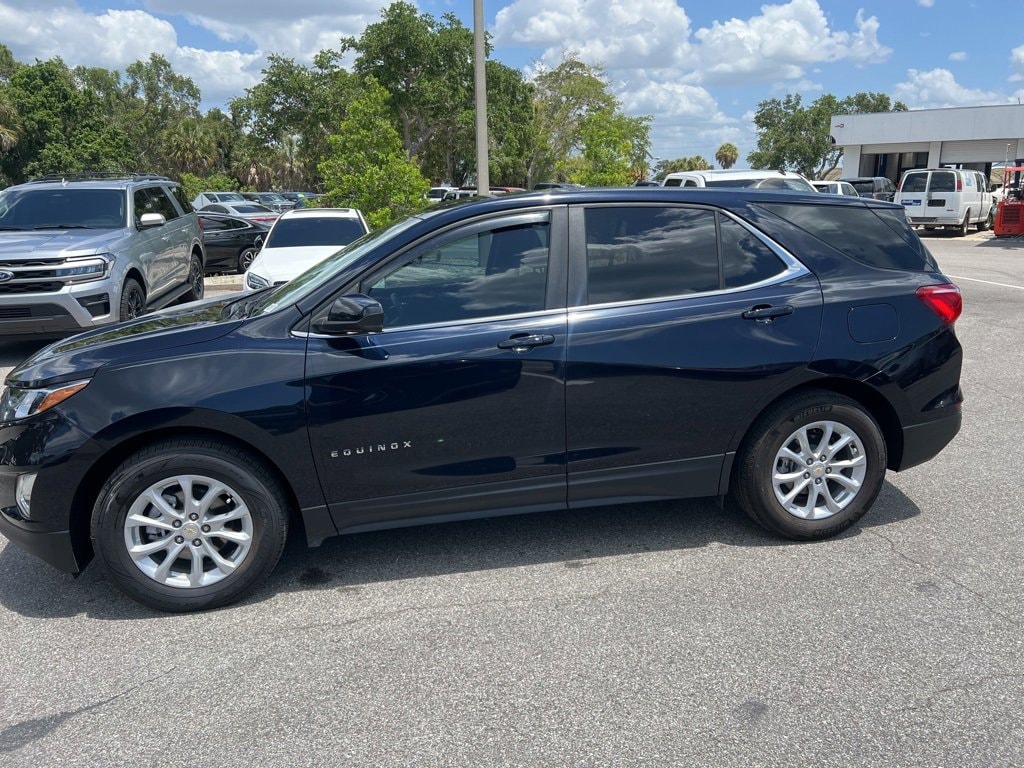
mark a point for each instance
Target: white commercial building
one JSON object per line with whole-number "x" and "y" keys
{"x": 889, "y": 143}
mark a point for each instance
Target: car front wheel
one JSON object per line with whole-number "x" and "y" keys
{"x": 812, "y": 466}
{"x": 188, "y": 525}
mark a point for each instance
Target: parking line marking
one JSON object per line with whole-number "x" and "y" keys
{"x": 987, "y": 282}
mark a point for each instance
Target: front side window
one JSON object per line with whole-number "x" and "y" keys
{"x": 163, "y": 203}
{"x": 636, "y": 253}
{"x": 500, "y": 271}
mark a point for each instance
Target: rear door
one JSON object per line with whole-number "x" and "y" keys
{"x": 682, "y": 319}
{"x": 913, "y": 195}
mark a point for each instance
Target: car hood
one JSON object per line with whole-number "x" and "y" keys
{"x": 52, "y": 243}
{"x": 282, "y": 264}
{"x": 78, "y": 357}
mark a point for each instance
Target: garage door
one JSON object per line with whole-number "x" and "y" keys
{"x": 989, "y": 151}
{"x": 885, "y": 149}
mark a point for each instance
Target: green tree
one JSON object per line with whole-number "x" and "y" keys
{"x": 10, "y": 123}
{"x": 509, "y": 118}
{"x": 611, "y": 143}
{"x": 192, "y": 185}
{"x": 155, "y": 98}
{"x": 8, "y": 64}
{"x": 189, "y": 146}
{"x": 693, "y": 163}
{"x": 727, "y": 155}
{"x": 796, "y": 137}
{"x": 367, "y": 168}
{"x": 64, "y": 127}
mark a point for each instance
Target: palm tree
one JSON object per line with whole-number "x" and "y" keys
{"x": 189, "y": 147}
{"x": 287, "y": 163}
{"x": 10, "y": 124}
{"x": 727, "y": 155}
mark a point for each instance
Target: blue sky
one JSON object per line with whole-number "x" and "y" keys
{"x": 698, "y": 68}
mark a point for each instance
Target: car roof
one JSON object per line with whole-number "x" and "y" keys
{"x": 322, "y": 213}
{"x": 736, "y": 174}
{"x": 121, "y": 184}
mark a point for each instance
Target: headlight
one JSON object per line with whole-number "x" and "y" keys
{"x": 18, "y": 403}
{"x": 83, "y": 270}
{"x": 255, "y": 281}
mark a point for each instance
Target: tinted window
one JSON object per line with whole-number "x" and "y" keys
{"x": 210, "y": 224}
{"x": 646, "y": 252}
{"x": 865, "y": 187}
{"x": 251, "y": 209}
{"x": 880, "y": 237}
{"x": 145, "y": 202}
{"x": 914, "y": 182}
{"x": 673, "y": 182}
{"x": 328, "y": 230}
{"x": 498, "y": 272}
{"x": 228, "y": 197}
{"x": 745, "y": 259}
{"x": 162, "y": 203}
{"x": 179, "y": 195}
{"x": 53, "y": 208}
{"x": 943, "y": 181}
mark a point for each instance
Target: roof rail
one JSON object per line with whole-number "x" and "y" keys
{"x": 96, "y": 176}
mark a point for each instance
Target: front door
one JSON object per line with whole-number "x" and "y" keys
{"x": 458, "y": 406}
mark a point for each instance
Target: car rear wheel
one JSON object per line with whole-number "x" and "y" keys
{"x": 133, "y": 300}
{"x": 188, "y": 525}
{"x": 196, "y": 283}
{"x": 986, "y": 225}
{"x": 811, "y": 467}
{"x": 961, "y": 231}
{"x": 245, "y": 259}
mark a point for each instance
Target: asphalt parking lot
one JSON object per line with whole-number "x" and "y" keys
{"x": 657, "y": 634}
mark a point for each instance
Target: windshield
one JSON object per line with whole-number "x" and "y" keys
{"x": 296, "y": 288}
{"x": 64, "y": 208}
{"x": 319, "y": 230}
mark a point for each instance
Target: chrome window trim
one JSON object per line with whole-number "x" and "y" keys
{"x": 794, "y": 267}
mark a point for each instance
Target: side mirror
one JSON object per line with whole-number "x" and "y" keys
{"x": 349, "y": 315}
{"x": 150, "y": 220}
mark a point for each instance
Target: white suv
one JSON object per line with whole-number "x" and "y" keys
{"x": 300, "y": 239}
{"x": 784, "y": 180}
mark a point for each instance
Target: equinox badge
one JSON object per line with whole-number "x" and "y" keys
{"x": 376, "y": 448}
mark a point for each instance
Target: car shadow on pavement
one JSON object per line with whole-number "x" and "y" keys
{"x": 574, "y": 539}
{"x": 1003, "y": 243}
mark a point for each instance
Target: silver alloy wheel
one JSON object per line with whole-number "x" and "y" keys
{"x": 819, "y": 470}
{"x": 188, "y": 531}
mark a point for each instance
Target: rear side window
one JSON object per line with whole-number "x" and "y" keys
{"x": 879, "y": 237}
{"x": 745, "y": 259}
{"x": 914, "y": 182}
{"x": 636, "y": 253}
{"x": 673, "y": 182}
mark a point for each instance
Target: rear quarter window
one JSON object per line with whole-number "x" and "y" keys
{"x": 914, "y": 182}
{"x": 879, "y": 237}
{"x": 943, "y": 181}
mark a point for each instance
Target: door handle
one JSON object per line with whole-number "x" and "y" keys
{"x": 765, "y": 313}
{"x": 523, "y": 342}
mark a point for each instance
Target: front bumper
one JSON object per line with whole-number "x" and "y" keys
{"x": 71, "y": 309}
{"x": 53, "y": 547}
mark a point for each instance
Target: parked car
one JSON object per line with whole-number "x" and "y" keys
{"x": 301, "y": 199}
{"x": 83, "y": 250}
{"x": 272, "y": 200}
{"x": 875, "y": 187}
{"x": 437, "y": 194}
{"x": 301, "y": 239}
{"x": 780, "y": 180}
{"x": 243, "y": 210}
{"x": 835, "y": 188}
{"x": 231, "y": 242}
{"x": 948, "y": 198}
{"x": 515, "y": 354}
{"x": 211, "y": 198}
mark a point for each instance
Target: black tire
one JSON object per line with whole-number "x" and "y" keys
{"x": 961, "y": 231}
{"x": 244, "y": 487}
{"x": 245, "y": 259}
{"x": 196, "y": 280}
{"x": 986, "y": 225}
{"x": 760, "y": 456}
{"x": 133, "y": 300}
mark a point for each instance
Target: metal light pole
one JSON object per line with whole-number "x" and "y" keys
{"x": 483, "y": 181}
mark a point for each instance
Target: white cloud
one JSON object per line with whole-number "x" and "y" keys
{"x": 1017, "y": 60}
{"x": 936, "y": 88}
{"x": 114, "y": 39}
{"x": 958, "y": 56}
{"x": 926, "y": 3}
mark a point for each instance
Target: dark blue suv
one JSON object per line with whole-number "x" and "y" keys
{"x": 520, "y": 354}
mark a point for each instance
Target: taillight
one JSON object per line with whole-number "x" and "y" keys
{"x": 944, "y": 300}
{"x": 959, "y": 184}
{"x": 201, "y": 225}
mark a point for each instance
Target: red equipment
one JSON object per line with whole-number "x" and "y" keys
{"x": 1010, "y": 213}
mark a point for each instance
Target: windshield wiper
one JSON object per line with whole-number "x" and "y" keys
{"x": 62, "y": 226}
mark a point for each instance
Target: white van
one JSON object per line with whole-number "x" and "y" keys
{"x": 946, "y": 197}
{"x": 785, "y": 180}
